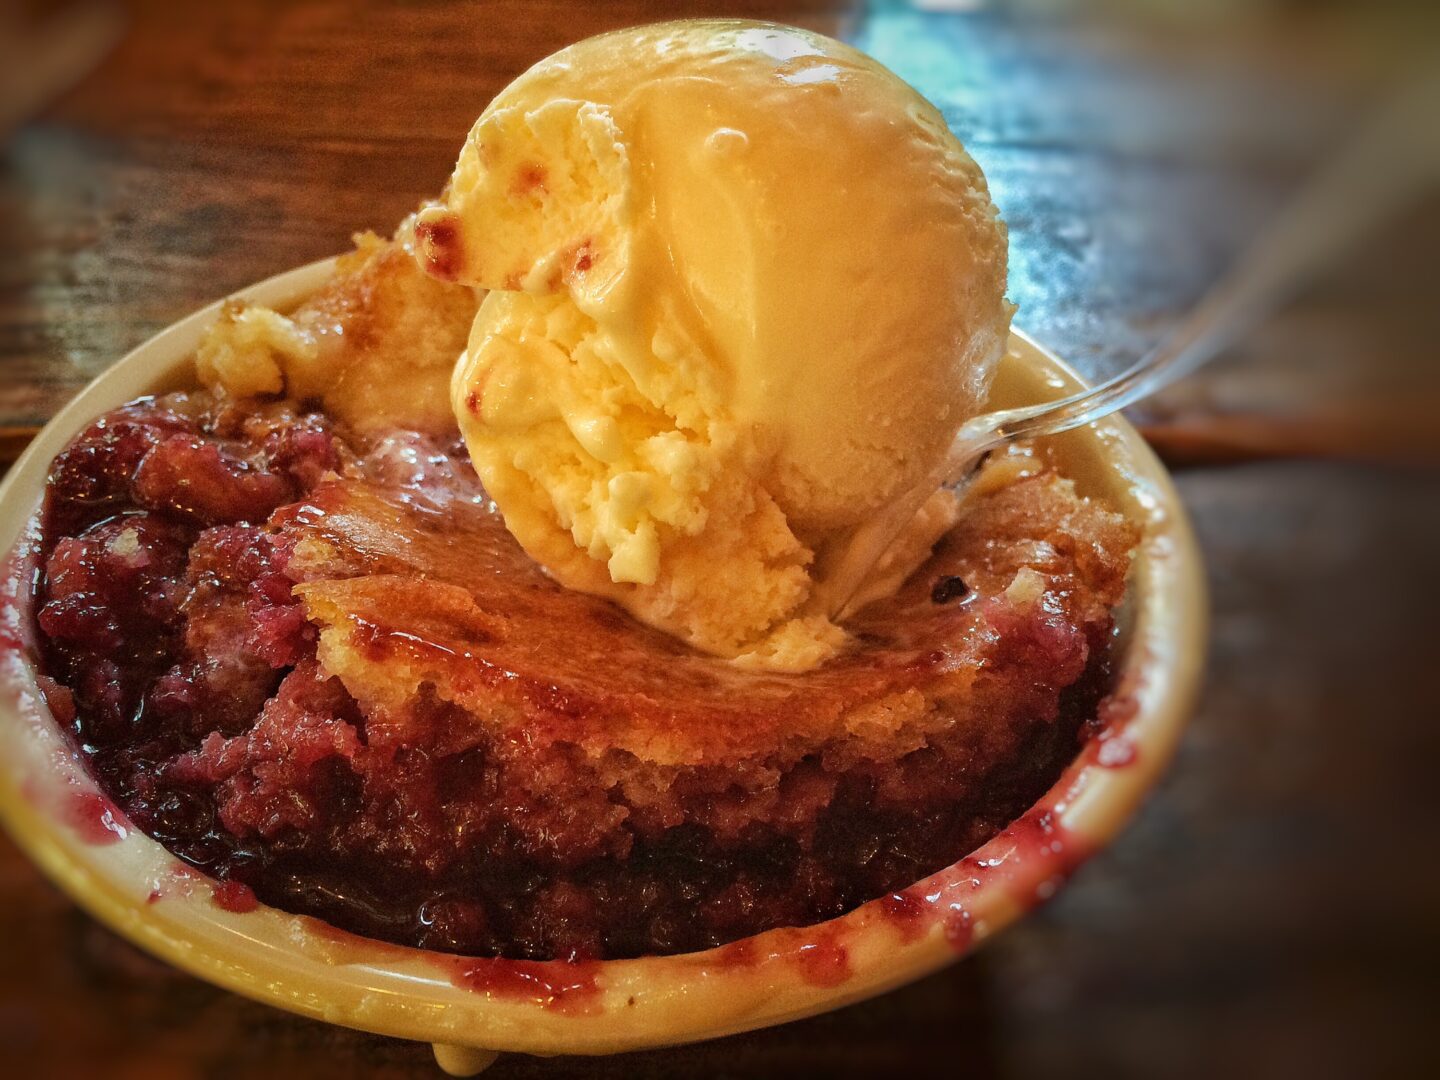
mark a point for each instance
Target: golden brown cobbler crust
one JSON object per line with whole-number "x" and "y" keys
{"x": 421, "y": 600}
{"x": 375, "y": 344}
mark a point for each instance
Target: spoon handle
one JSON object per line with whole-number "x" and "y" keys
{"x": 1356, "y": 191}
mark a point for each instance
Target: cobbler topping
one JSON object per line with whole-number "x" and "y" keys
{"x": 315, "y": 666}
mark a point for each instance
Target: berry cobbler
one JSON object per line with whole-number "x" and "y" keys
{"x": 297, "y": 645}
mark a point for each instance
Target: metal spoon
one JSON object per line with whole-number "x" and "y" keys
{"x": 1355, "y": 192}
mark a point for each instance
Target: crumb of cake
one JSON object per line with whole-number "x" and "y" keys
{"x": 1026, "y": 587}
{"x": 375, "y": 345}
{"x": 1004, "y": 467}
{"x": 250, "y": 348}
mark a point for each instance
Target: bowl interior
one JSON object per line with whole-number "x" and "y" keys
{"x": 55, "y": 813}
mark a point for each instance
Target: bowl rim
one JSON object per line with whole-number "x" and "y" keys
{"x": 53, "y": 811}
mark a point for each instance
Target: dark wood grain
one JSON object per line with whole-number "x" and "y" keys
{"x": 219, "y": 144}
{"x": 1273, "y": 910}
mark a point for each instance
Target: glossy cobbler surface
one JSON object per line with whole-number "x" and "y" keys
{"x": 316, "y": 664}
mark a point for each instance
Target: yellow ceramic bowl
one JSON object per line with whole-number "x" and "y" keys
{"x": 471, "y": 1009}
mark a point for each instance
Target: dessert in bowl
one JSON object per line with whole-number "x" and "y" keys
{"x": 290, "y": 705}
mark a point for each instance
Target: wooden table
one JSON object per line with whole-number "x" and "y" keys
{"x": 1275, "y": 911}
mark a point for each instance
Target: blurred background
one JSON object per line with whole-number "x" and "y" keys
{"x": 1275, "y": 910}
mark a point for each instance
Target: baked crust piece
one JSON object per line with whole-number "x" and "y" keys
{"x": 375, "y": 344}
{"x": 425, "y": 597}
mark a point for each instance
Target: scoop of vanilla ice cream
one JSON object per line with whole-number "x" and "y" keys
{"x": 745, "y": 287}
